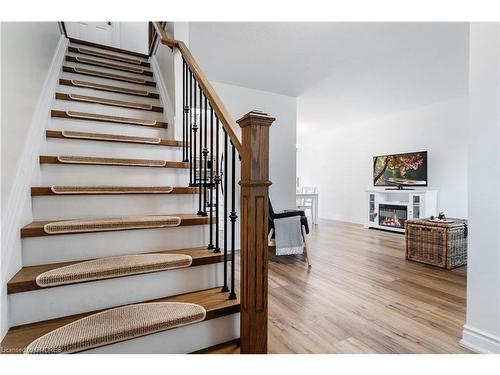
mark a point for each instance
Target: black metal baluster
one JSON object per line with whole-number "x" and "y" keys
{"x": 190, "y": 127}
{"x": 205, "y": 154}
{"x": 186, "y": 111}
{"x": 217, "y": 180}
{"x": 211, "y": 180}
{"x": 199, "y": 171}
{"x": 225, "y": 175}
{"x": 194, "y": 130}
{"x": 233, "y": 217}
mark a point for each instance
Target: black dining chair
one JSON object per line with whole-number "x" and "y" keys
{"x": 288, "y": 213}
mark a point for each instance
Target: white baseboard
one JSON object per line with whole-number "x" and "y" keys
{"x": 165, "y": 99}
{"x": 348, "y": 219}
{"x": 480, "y": 341}
{"x": 13, "y": 213}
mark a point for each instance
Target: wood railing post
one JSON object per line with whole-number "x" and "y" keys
{"x": 254, "y": 216}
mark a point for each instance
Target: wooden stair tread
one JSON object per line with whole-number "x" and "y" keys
{"x": 125, "y": 162}
{"x": 109, "y": 65}
{"x": 36, "y": 228}
{"x": 109, "y": 48}
{"x": 215, "y": 303}
{"x": 108, "y": 56}
{"x": 102, "y": 137}
{"x": 108, "y": 88}
{"x": 101, "y": 74}
{"x": 228, "y": 347}
{"x": 106, "y": 101}
{"x": 107, "y": 118}
{"x": 47, "y": 191}
{"x": 25, "y": 279}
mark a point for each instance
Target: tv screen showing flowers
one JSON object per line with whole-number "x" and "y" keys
{"x": 408, "y": 169}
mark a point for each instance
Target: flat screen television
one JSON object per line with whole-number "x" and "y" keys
{"x": 400, "y": 170}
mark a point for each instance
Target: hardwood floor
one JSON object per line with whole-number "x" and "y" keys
{"x": 361, "y": 296}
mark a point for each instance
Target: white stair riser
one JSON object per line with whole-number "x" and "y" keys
{"x": 107, "y": 81}
{"x": 106, "y": 60}
{"x": 83, "y": 246}
{"x": 77, "y": 174}
{"x": 107, "y": 94}
{"x": 180, "y": 340}
{"x": 77, "y": 45}
{"x": 100, "y": 109}
{"x": 106, "y": 128}
{"x": 80, "y": 147}
{"x": 80, "y": 206}
{"x": 43, "y": 304}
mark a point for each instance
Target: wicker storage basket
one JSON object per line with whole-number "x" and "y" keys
{"x": 439, "y": 244}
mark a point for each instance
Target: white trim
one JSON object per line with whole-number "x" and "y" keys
{"x": 165, "y": 100}
{"x": 480, "y": 341}
{"x": 19, "y": 195}
{"x": 344, "y": 218}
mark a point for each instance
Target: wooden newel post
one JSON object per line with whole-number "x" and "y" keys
{"x": 254, "y": 216}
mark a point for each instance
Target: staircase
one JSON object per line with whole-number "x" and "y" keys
{"x": 116, "y": 259}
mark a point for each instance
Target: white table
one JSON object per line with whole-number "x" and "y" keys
{"x": 314, "y": 197}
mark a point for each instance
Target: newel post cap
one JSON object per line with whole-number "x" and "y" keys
{"x": 255, "y": 118}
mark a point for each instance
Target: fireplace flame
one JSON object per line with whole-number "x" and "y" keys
{"x": 392, "y": 221}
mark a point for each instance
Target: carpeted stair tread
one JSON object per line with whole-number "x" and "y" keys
{"x": 106, "y": 268}
{"x": 106, "y": 75}
{"x": 215, "y": 303}
{"x": 125, "y": 162}
{"x": 108, "y": 102}
{"x": 108, "y": 118}
{"x": 101, "y": 87}
{"x": 77, "y": 135}
{"x": 109, "y": 65}
{"x": 61, "y": 190}
{"x": 25, "y": 279}
{"x": 97, "y": 160}
{"x": 107, "y": 224}
{"x": 115, "y": 325}
{"x": 37, "y": 228}
{"x": 105, "y": 55}
{"x": 110, "y": 137}
{"x": 105, "y": 47}
{"x": 110, "y": 189}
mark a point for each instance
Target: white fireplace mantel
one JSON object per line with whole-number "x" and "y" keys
{"x": 418, "y": 203}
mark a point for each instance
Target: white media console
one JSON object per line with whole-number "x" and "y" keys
{"x": 389, "y": 209}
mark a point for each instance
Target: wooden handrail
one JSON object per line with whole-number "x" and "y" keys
{"x": 163, "y": 34}
{"x": 215, "y": 101}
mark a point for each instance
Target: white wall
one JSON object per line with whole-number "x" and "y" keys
{"x": 168, "y": 68}
{"x": 482, "y": 329}
{"x": 239, "y": 101}
{"x": 339, "y": 161}
{"x": 27, "y": 50}
{"x": 162, "y": 64}
{"x": 31, "y": 58}
{"x": 134, "y": 36}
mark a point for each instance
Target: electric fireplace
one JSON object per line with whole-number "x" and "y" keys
{"x": 393, "y": 216}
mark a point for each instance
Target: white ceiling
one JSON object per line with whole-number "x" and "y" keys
{"x": 292, "y": 57}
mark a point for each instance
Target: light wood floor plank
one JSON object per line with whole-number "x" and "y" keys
{"x": 362, "y": 296}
